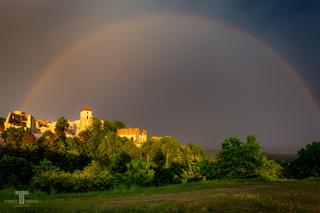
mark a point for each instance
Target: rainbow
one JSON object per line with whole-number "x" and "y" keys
{"x": 203, "y": 19}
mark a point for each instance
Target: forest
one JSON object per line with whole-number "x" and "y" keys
{"x": 99, "y": 160}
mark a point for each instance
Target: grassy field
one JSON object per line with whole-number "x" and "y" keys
{"x": 211, "y": 196}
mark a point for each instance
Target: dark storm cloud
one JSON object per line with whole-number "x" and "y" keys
{"x": 34, "y": 32}
{"x": 194, "y": 80}
{"x": 289, "y": 26}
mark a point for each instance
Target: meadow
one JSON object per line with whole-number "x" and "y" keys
{"x": 225, "y": 195}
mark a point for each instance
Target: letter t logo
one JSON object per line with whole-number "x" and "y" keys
{"x": 21, "y": 196}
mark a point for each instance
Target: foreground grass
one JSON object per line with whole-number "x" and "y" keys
{"x": 211, "y": 196}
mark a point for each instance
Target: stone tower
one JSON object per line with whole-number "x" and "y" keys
{"x": 85, "y": 121}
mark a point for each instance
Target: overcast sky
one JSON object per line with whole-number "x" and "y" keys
{"x": 161, "y": 65}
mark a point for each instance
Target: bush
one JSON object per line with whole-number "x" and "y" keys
{"x": 270, "y": 169}
{"x": 15, "y": 171}
{"x": 92, "y": 178}
{"x": 308, "y": 162}
{"x": 192, "y": 173}
{"x": 171, "y": 175}
{"x": 139, "y": 173}
{"x": 209, "y": 170}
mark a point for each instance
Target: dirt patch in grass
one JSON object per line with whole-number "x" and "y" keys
{"x": 177, "y": 196}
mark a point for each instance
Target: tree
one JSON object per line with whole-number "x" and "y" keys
{"x": 237, "y": 159}
{"x": 191, "y": 153}
{"x": 139, "y": 173}
{"x": 109, "y": 147}
{"x": 44, "y": 166}
{"x": 96, "y": 126}
{"x": 159, "y": 159}
{"x": 229, "y": 156}
{"x": 308, "y": 162}
{"x": 96, "y": 137}
{"x": 15, "y": 171}
{"x": 48, "y": 139}
{"x": 194, "y": 152}
{"x": 252, "y": 156}
{"x": 28, "y": 141}
{"x": 150, "y": 149}
{"x": 209, "y": 169}
{"x": 73, "y": 146}
{"x": 120, "y": 163}
{"x": 84, "y": 136}
{"x": 171, "y": 175}
{"x": 131, "y": 149}
{"x": 13, "y": 137}
{"x": 61, "y": 126}
{"x": 113, "y": 126}
{"x": 171, "y": 149}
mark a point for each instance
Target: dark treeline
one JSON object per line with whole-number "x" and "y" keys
{"x": 100, "y": 160}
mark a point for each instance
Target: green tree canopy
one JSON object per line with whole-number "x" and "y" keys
{"x": 171, "y": 149}
{"x": 120, "y": 163}
{"x": 308, "y": 162}
{"x": 13, "y": 137}
{"x": 14, "y": 171}
{"x": 149, "y": 149}
{"x": 48, "y": 139}
{"x": 113, "y": 126}
{"x": 28, "y": 141}
{"x": 237, "y": 159}
{"x": 139, "y": 173}
{"x": 61, "y": 126}
{"x": 159, "y": 159}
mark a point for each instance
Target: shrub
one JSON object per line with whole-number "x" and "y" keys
{"x": 15, "y": 171}
{"x": 171, "y": 175}
{"x": 209, "y": 170}
{"x": 139, "y": 173}
{"x": 93, "y": 177}
{"x": 192, "y": 173}
{"x": 308, "y": 162}
{"x": 270, "y": 169}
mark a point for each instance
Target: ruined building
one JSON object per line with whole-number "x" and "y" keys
{"x": 19, "y": 119}
{"x": 133, "y": 134}
{"x": 83, "y": 123}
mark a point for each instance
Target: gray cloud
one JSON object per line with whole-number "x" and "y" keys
{"x": 196, "y": 81}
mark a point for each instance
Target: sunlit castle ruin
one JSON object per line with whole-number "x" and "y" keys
{"x": 20, "y": 119}
{"x": 134, "y": 134}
